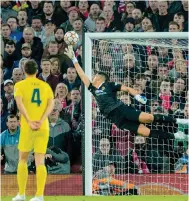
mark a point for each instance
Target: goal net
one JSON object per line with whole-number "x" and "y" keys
{"x": 118, "y": 162}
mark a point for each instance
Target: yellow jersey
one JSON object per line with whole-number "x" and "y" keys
{"x": 35, "y": 94}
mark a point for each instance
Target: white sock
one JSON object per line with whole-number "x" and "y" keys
{"x": 182, "y": 121}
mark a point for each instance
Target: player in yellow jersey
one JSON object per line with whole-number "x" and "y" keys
{"x": 34, "y": 100}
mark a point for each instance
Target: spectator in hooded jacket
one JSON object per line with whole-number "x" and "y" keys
{"x": 57, "y": 161}
{"x": 9, "y": 143}
{"x": 60, "y": 132}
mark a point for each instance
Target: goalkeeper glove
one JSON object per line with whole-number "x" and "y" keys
{"x": 141, "y": 99}
{"x": 70, "y": 53}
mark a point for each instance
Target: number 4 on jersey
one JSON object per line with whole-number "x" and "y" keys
{"x": 36, "y": 97}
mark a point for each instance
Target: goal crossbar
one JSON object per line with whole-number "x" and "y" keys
{"x": 142, "y": 35}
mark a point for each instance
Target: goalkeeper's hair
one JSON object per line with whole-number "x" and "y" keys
{"x": 104, "y": 75}
{"x": 31, "y": 67}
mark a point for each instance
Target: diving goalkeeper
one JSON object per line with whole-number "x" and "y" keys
{"x": 123, "y": 116}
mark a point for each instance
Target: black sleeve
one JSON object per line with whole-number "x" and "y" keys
{"x": 91, "y": 88}
{"x": 115, "y": 86}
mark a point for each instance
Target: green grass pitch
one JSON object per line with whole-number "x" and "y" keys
{"x": 106, "y": 198}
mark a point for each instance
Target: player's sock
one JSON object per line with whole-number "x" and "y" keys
{"x": 161, "y": 134}
{"x": 41, "y": 175}
{"x": 163, "y": 118}
{"x": 22, "y": 176}
{"x": 182, "y": 121}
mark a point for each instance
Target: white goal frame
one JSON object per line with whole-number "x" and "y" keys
{"x": 88, "y": 97}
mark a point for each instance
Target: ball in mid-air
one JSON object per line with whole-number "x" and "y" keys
{"x": 71, "y": 38}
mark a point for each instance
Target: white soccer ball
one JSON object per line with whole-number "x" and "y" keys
{"x": 71, "y": 38}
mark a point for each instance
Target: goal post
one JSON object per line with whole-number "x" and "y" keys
{"x": 116, "y": 37}
{"x": 88, "y": 119}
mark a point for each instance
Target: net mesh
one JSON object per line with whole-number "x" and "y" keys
{"x": 124, "y": 163}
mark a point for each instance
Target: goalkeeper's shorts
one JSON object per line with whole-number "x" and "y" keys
{"x": 125, "y": 117}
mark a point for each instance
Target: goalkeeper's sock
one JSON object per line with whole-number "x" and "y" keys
{"x": 182, "y": 121}
{"x": 163, "y": 118}
{"x": 22, "y": 176}
{"x": 41, "y": 175}
{"x": 161, "y": 134}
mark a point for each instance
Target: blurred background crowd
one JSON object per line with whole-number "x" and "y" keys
{"x": 35, "y": 30}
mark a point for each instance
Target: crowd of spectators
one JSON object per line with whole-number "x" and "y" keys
{"x": 36, "y": 29}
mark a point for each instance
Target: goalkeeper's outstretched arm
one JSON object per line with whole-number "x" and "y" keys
{"x": 138, "y": 97}
{"x": 129, "y": 90}
{"x": 70, "y": 53}
{"x": 81, "y": 74}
